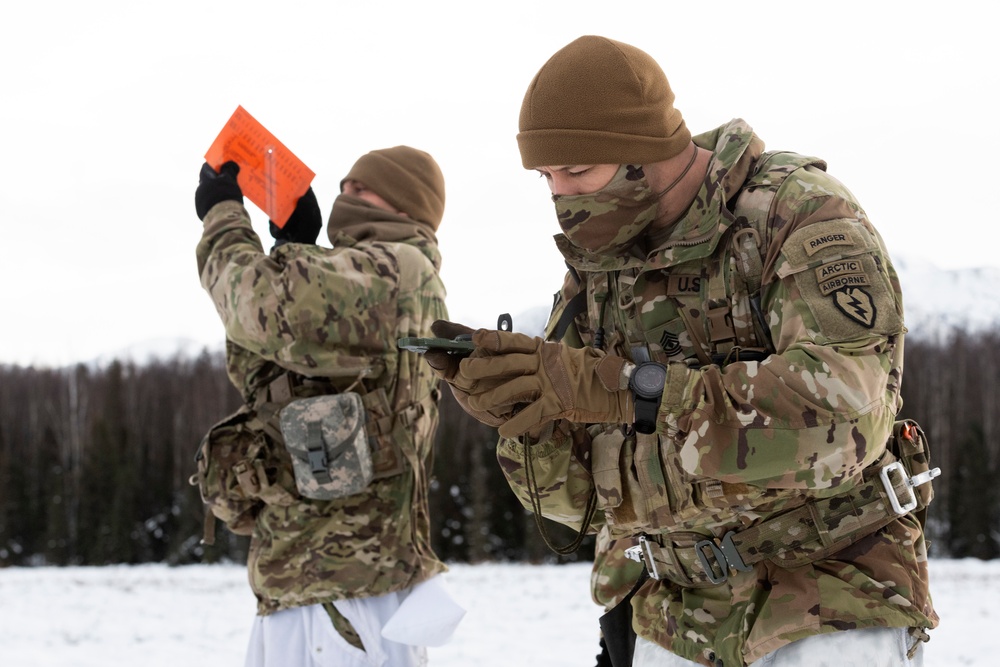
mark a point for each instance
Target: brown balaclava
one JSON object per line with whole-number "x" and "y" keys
{"x": 407, "y": 178}
{"x": 598, "y": 101}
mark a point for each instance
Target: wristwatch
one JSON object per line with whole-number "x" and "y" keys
{"x": 646, "y": 383}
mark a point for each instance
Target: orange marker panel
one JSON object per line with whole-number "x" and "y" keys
{"x": 270, "y": 174}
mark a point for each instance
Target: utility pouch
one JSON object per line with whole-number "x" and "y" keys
{"x": 238, "y": 470}
{"x": 326, "y": 438}
{"x": 909, "y": 445}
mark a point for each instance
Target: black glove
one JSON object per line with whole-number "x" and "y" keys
{"x": 303, "y": 224}
{"x": 216, "y": 187}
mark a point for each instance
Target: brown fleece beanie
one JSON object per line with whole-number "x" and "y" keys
{"x": 598, "y": 101}
{"x": 407, "y": 178}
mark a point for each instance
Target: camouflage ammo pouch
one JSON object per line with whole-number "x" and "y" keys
{"x": 328, "y": 443}
{"x": 239, "y": 468}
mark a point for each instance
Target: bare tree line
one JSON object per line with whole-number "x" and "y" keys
{"x": 94, "y": 463}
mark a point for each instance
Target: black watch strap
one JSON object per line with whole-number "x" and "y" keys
{"x": 646, "y": 410}
{"x": 647, "y": 382}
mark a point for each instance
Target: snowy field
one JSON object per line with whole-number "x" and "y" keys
{"x": 156, "y": 616}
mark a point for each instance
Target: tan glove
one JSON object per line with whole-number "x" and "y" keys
{"x": 447, "y": 367}
{"x": 534, "y": 382}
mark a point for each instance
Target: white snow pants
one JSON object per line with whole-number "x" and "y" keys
{"x": 869, "y": 647}
{"x": 395, "y": 630}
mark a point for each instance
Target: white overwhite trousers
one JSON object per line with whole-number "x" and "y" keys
{"x": 395, "y": 630}
{"x": 869, "y": 647}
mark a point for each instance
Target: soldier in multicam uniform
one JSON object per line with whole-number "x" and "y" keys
{"x": 306, "y": 321}
{"x": 724, "y": 385}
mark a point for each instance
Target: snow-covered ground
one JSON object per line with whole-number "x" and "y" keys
{"x": 156, "y": 616}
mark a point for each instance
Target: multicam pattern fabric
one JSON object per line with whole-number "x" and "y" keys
{"x": 333, "y": 315}
{"x": 740, "y": 437}
{"x": 613, "y": 575}
{"x": 611, "y": 219}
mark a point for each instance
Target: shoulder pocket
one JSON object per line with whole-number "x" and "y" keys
{"x": 841, "y": 275}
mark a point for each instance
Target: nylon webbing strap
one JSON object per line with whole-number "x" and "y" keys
{"x": 574, "y": 307}
{"x": 808, "y": 533}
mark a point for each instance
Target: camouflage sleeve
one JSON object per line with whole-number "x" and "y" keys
{"x": 817, "y": 412}
{"x": 312, "y": 310}
{"x": 560, "y": 481}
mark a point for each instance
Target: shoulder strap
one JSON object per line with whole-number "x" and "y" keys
{"x": 753, "y": 210}
{"x": 755, "y": 203}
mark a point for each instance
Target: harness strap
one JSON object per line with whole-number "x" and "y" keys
{"x": 797, "y": 537}
{"x": 574, "y": 307}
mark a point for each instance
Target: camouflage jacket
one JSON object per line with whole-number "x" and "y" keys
{"x": 333, "y": 316}
{"x": 739, "y": 441}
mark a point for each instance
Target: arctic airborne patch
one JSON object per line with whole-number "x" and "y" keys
{"x": 857, "y": 304}
{"x": 815, "y": 244}
{"x": 843, "y": 273}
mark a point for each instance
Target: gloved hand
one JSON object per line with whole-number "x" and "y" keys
{"x": 216, "y": 187}
{"x": 447, "y": 367}
{"x": 303, "y": 225}
{"x": 536, "y": 382}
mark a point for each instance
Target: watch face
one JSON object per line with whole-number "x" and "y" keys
{"x": 648, "y": 379}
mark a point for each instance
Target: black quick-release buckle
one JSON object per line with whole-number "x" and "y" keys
{"x": 316, "y": 451}
{"x": 726, "y": 556}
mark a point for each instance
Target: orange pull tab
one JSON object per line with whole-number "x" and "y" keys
{"x": 909, "y": 433}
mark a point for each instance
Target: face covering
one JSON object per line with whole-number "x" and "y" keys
{"x": 609, "y": 221}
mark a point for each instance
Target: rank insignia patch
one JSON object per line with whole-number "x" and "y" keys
{"x": 670, "y": 344}
{"x": 857, "y": 304}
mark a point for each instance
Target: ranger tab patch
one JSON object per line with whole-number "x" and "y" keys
{"x": 816, "y": 243}
{"x": 857, "y": 304}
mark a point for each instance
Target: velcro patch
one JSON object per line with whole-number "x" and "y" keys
{"x": 682, "y": 284}
{"x": 842, "y": 273}
{"x": 814, "y": 244}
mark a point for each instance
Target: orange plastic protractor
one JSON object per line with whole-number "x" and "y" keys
{"x": 271, "y": 176}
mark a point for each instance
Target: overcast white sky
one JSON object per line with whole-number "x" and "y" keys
{"x": 109, "y": 106}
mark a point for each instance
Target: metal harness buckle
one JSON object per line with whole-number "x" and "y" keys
{"x": 643, "y": 553}
{"x": 726, "y": 556}
{"x": 910, "y": 482}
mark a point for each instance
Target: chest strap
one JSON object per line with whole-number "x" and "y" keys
{"x": 808, "y": 533}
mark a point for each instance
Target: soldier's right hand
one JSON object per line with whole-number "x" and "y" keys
{"x": 216, "y": 187}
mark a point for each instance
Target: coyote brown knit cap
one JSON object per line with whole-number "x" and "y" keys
{"x": 407, "y": 178}
{"x": 599, "y": 101}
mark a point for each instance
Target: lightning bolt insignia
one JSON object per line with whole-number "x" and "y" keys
{"x": 857, "y": 304}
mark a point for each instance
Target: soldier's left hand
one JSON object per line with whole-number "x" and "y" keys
{"x": 303, "y": 225}
{"x": 448, "y": 367}
{"x": 537, "y": 382}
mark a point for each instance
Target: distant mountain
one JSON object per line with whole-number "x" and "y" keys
{"x": 154, "y": 350}
{"x": 939, "y": 301}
